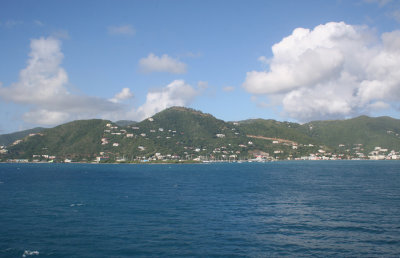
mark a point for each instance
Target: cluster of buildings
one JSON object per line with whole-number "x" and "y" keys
{"x": 3, "y": 150}
{"x": 113, "y": 130}
{"x": 380, "y": 154}
{"x": 280, "y": 149}
{"x": 188, "y": 152}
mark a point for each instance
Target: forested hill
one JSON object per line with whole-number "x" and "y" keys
{"x": 368, "y": 131}
{"x": 7, "y": 139}
{"x": 179, "y": 133}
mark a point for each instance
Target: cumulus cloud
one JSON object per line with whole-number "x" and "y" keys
{"x": 123, "y": 95}
{"x": 42, "y": 86}
{"x": 124, "y": 30}
{"x": 43, "y": 77}
{"x": 177, "y": 93}
{"x": 333, "y": 71}
{"x": 153, "y": 63}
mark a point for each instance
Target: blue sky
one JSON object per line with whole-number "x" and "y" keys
{"x": 285, "y": 60}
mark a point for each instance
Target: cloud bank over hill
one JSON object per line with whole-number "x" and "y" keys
{"x": 43, "y": 88}
{"x": 177, "y": 93}
{"x": 335, "y": 70}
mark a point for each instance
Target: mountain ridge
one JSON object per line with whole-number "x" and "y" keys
{"x": 188, "y": 134}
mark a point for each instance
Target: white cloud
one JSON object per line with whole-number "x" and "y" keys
{"x": 42, "y": 86}
{"x": 43, "y": 78}
{"x": 125, "y": 30}
{"x": 153, "y": 63}
{"x": 177, "y": 93}
{"x": 123, "y": 95}
{"x": 333, "y": 71}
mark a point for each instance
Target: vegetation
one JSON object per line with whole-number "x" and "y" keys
{"x": 7, "y": 139}
{"x": 180, "y": 134}
{"x": 361, "y": 131}
{"x": 78, "y": 139}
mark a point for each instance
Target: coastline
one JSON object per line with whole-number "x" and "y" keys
{"x": 199, "y": 162}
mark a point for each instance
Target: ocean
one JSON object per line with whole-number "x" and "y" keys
{"x": 296, "y": 209}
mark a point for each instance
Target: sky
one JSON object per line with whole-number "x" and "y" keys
{"x": 286, "y": 60}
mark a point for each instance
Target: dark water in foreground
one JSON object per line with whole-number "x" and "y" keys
{"x": 276, "y": 209}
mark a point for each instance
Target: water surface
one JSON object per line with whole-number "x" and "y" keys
{"x": 333, "y": 208}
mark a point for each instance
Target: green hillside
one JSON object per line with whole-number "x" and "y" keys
{"x": 275, "y": 129}
{"x": 175, "y": 131}
{"x": 125, "y": 122}
{"x": 75, "y": 139}
{"x": 7, "y": 139}
{"x": 179, "y": 133}
{"x": 370, "y": 132}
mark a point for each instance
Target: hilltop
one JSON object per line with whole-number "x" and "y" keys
{"x": 184, "y": 134}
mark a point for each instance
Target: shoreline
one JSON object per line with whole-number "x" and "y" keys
{"x": 196, "y": 162}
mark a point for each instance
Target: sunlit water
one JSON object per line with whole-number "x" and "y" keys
{"x": 348, "y": 208}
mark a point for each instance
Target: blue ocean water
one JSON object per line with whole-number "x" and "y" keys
{"x": 338, "y": 208}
